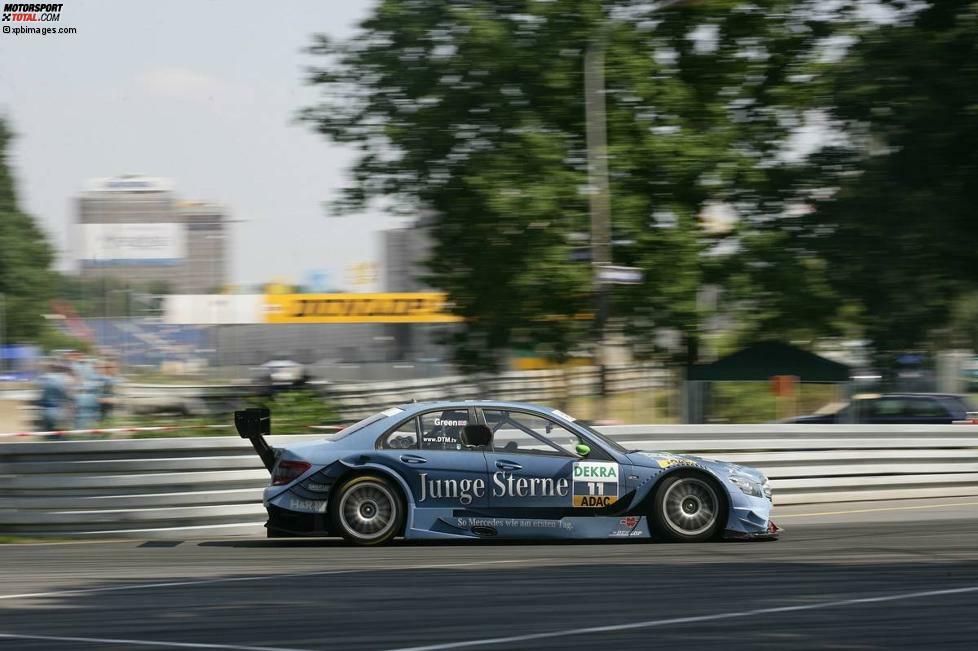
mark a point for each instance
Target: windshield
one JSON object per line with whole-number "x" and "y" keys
{"x": 360, "y": 424}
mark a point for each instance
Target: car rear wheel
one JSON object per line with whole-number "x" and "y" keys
{"x": 688, "y": 507}
{"x": 367, "y": 510}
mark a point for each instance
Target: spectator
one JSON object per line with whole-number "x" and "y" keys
{"x": 87, "y": 393}
{"x": 79, "y": 365}
{"x": 55, "y": 400}
{"x": 108, "y": 379}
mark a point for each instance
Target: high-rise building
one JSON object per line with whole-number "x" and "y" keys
{"x": 133, "y": 228}
{"x": 405, "y": 252}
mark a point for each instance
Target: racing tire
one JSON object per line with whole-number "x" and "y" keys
{"x": 367, "y": 510}
{"x": 688, "y": 507}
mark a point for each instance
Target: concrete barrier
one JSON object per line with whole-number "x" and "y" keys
{"x": 212, "y": 485}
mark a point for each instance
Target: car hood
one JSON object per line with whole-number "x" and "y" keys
{"x": 654, "y": 459}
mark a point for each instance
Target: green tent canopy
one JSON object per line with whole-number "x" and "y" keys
{"x": 766, "y": 359}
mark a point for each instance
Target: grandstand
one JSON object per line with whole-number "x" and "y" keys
{"x": 147, "y": 342}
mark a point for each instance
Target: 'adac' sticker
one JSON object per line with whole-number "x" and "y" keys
{"x": 595, "y": 484}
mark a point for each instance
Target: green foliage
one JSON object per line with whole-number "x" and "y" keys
{"x": 777, "y": 291}
{"x": 26, "y": 280}
{"x": 293, "y": 412}
{"x": 754, "y": 402}
{"x": 21, "y": 540}
{"x": 471, "y": 113}
{"x": 110, "y": 296}
{"x": 50, "y": 338}
{"x": 897, "y": 230}
{"x": 964, "y": 322}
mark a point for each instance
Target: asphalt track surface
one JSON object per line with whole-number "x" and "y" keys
{"x": 847, "y": 576}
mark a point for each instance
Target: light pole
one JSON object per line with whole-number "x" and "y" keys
{"x": 596, "y": 138}
{"x": 3, "y": 332}
{"x": 216, "y": 277}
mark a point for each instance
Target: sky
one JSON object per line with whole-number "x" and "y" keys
{"x": 203, "y": 92}
{"x": 200, "y": 92}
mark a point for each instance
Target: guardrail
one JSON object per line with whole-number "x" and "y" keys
{"x": 212, "y": 485}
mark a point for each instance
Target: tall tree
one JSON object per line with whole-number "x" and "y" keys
{"x": 894, "y": 203}
{"x": 472, "y": 112}
{"x": 26, "y": 279}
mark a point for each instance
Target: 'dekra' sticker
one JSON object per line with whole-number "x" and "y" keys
{"x": 595, "y": 484}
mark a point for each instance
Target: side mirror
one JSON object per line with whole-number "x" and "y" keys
{"x": 582, "y": 450}
{"x": 253, "y": 423}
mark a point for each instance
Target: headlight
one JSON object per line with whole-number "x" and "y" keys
{"x": 749, "y": 487}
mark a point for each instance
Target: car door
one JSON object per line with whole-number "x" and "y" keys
{"x": 535, "y": 472}
{"x": 442, "y": 472}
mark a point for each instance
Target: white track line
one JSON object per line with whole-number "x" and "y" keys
{"x": 882, "y": 508}
{"x": 686, "y": 620}
{"x": 156, "y": 643}
{"x": 257, "y": 577}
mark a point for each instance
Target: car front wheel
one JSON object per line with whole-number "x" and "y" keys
{"x": 688, "y": 507}
{"x": 367, "y": 510}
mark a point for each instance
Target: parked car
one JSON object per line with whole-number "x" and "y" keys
{"x": 283, "y": 371}
{"x": 894, "y": 409}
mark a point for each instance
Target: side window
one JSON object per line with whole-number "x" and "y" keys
{"x": 405, "y": 437}
{"x": 885, "y": 407}
{"x": 925, "y": 408}
{"x": 514, "y": 431}
{"x": 441, "y": 430}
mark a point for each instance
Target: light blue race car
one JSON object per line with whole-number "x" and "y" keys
{"x": 479, "y": 469}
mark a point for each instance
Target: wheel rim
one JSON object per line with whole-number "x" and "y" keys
{"x": 690, "y": 506}
{"x": 368, "y": 510}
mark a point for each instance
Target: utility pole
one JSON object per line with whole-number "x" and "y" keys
{"x": 596, "y": 136}
{"x": 599, "y": 194}
{"x": 3, "y": 332}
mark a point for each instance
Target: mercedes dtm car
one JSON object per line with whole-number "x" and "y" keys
{"x": 475, "y": 469}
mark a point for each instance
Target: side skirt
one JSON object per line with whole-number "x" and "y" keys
{"x": 458, "y": 523}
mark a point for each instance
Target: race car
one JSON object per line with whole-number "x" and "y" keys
{"x": 478, "y": 469}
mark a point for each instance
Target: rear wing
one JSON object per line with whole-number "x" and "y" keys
{"x": 255, "y": 424}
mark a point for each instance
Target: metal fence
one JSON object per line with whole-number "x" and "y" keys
{"x": 212, "y": 485}
{"x": 357, "y": 400}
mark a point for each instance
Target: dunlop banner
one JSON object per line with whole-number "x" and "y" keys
{"x": 408, "y": 307}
